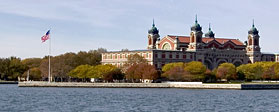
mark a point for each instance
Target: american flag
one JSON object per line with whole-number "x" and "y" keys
{"x": 46, "y": 36}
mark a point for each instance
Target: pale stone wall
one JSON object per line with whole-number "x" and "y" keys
{"x": 130, "y": 85}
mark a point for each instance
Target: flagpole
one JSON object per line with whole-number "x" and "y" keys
{"x": 49, "y": 75}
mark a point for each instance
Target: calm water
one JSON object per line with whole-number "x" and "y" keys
{"x": 13, "y": 98}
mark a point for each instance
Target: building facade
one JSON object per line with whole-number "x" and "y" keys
{"x": 196, "y": 47}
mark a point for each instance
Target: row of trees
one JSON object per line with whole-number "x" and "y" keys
{"x": 248, "y": 72}
{"x": 196, "y": 71}
{"x": 12, "y": 68}
{"x": 86, "y": 65}
{"x": 192, "y": 71}
{"x": 105, "y": 72}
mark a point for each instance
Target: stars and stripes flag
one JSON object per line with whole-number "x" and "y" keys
{"x": 46, "y": 36}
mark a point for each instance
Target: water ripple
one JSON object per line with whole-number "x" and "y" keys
{"x": 28, "y": 99}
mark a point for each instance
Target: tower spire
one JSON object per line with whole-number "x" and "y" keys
{"x": 253, "y": 24}
{"x": 196, "y": 21}
{"x": 209, "y": 28}
{"x": 153, "y": 24}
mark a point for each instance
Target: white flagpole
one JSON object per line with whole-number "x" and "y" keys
{"x": 28, "y": 75}
{"x": 49, "y": 75}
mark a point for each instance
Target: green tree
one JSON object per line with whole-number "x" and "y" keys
{"x": 115, "y": 74}
{"x": 275, "y": 67}
{"x": 80, "y": 72}
{"x": 196, "y": 69}
{"x": 226, "y": 71}
{"x": 11, "y": 68}
{"x": 169, "y": 66}
{"x": 176, "y": 73}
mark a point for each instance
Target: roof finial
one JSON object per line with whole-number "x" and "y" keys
{"x": 153, "y": 23}
{"x": 196, "y": 18}
{"x": 209, "y": 27}
{"x": 253, "y": 24}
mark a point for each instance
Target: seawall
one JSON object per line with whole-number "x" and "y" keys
{"x": 129, "y": 85}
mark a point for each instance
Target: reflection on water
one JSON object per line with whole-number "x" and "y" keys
{"x": 13, "y": 98}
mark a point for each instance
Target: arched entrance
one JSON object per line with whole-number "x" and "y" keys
{"x": 237, "y": 63}
{"x": 208, "y": 64}
{"x": 219, "y": 62}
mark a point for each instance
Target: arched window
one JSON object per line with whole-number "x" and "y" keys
{"x": 192, "y": 38}
{"x": 166, "y": 46}
{"x": 250, "y": 42}
{"x": 149, "y": 41}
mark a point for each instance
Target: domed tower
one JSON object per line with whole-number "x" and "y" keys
{"x": 195, "y": 37}
{"x": 153, "y": 36}
{"x": 210, "y": 33}
{"x": 253, "y": 47}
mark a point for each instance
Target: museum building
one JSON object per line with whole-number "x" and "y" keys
{"x": 205, "y": 48}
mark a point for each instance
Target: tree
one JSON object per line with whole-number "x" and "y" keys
{"x": 11, "y": 68}
{"x": 136, "y": 59}
{"x": 4, "y": 68}
{"x": 141, "y": 71}
{"x": 34, "y": 74}
{"x": 196, "y": 69}
{"x": 169, "y": 66}
{"x": 275, "y": 67}
{"x": 131, "y": 73}
{"x": 226, "y": 71}
{"x": 115, "y": 74}
{"x": 176, "y": 73}
{"x": 80, "y": 72}
{"x": 32, "y": 62}
{"x": 209, "y": 76}
{"x": 147, "y": 71}
{"x": 133, "y": 60}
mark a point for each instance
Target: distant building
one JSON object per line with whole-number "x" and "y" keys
{"x": 207, "y": 49}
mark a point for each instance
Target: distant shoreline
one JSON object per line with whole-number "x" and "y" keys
{"x": 150, "y": 85}
{"x": 8, "y": 82}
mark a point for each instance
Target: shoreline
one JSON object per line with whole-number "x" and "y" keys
{"x": 129, "y": 85}
{"x": 150, "y": 85}
{"x": 8, "y": 82}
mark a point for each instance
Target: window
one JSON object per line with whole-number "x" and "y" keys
{"x": 191, "y": 56}
{"x": 156, "y": 55}
{"x": 250, "y": 42}
{"x": 177, "y": 56}
{"x": 166, "y": 46}
{"x": 163, "y": 55}
{"x": 184, "y": 56}
{"x": 170, "y": 56}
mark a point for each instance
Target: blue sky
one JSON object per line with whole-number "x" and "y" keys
{"x": 82, "y": 25}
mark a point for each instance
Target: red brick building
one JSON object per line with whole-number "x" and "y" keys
{"x": 206, "y": 48}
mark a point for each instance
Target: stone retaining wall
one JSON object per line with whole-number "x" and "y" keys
{"x": 129, "y": 85}
{"x": 207, "y": 86}
{"x": 149, "y": 85}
